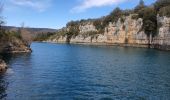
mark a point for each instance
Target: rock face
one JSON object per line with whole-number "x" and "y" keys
{"x": 128, "y": 32}
{"x": 162, "y": 40}
{"x": 87, "y": 27}
{"x": 3, "y": 66}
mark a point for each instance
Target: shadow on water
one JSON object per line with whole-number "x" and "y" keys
{"x": 8, "y": 58}
{"x": 3, "y": 87}
{"x": 3, "y": 83}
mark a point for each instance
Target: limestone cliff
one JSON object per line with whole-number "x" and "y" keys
{"x": 162, "y": 40}
{"x": 127, "y": 32}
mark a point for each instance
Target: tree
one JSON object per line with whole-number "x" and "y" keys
{"x": 97, "y": 23}
{"x": 140, "y": 6}
{"x": 73, "y": 30}
{"x": 113, "y": 16}
{"x": 150, "y": 22}
{"x": 25, "y": 35}
{"x": 116, "y": 14}
{"x": 99, "y": 26}
{"x": 139, "y": 9}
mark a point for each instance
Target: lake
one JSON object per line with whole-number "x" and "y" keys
{"x": 82, "y": 72}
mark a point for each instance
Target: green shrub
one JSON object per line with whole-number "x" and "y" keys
{"x": 140, "y": 6}
{"x": 150, "y": 21}
{"x": 43, "y": 36}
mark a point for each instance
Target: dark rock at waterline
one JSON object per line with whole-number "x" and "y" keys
{"x": 3, "y": 65}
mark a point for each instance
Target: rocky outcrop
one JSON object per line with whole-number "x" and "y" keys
{"x": 127, "y": 33}
{"x": 14, "y": 45}
{"x": 3, "y": 65}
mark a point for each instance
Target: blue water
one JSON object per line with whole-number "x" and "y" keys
{"x": 80, "y": 72}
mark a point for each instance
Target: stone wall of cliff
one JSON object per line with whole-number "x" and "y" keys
{"x": 128, "y": 32}
{"x": 162, "y": 40}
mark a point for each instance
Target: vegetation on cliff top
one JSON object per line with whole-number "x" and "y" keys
{"x": 43, "y": 36}
{"x": 147, "y": 13}
{"x": 21, "y": 34}
{"x": 7, "y": 36}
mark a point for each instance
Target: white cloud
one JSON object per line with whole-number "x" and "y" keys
{"x": 38, "y": 5}
{"x": 86, "y": 4}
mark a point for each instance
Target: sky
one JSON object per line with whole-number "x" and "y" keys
{"x": 56, "y": 13}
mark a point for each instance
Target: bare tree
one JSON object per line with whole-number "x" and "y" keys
{"x": 25, "y": 35}
{"x": 1, "y": 18}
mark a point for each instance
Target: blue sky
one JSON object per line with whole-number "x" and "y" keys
{"x": 56, "y": 13}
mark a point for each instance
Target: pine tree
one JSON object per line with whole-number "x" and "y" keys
{"x": 140, "y": 6}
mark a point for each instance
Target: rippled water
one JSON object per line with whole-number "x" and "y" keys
{"x": 79, "y": 72}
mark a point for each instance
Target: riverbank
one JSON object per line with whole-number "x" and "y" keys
{"x": 14, "y": 47}
{"x": 3, "y": 64}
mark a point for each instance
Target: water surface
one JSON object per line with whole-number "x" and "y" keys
{"x": 79, "y": 72}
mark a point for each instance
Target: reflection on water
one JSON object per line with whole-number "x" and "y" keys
{"x": 71, "y": 72}
{"x": 3, "y": 87}
{"x": 10, "y": 59}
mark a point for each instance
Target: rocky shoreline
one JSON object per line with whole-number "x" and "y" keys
{"x": 16, "y": 46}
{"x": 18, "y": 50}
{"x": 3, "y": 64}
